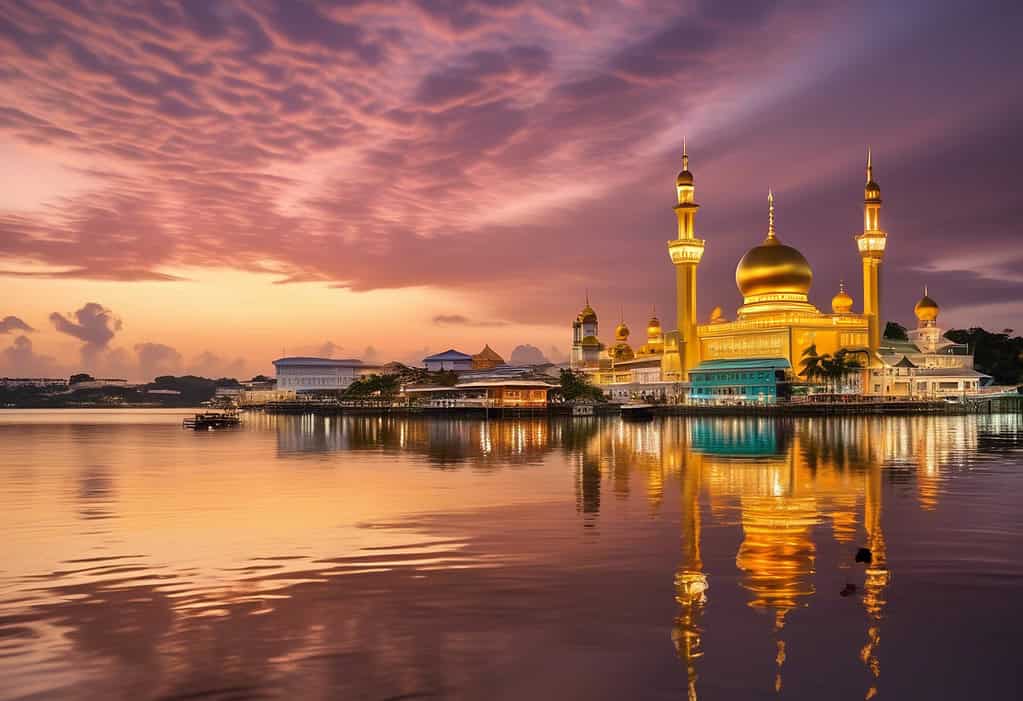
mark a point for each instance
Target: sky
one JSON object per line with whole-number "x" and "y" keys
{"x": 204, "y": 186}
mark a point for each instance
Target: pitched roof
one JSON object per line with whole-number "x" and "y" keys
{"x": 449, "y": 354}
{"x": 488, "y": 353}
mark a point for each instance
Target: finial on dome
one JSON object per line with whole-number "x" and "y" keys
{"x": 925, "y": 290}
{"x": 770, "y": 214}
{"x": 841, "y": 285}
{"x": 870, "y": 167}
{"x": 685, "y": 155}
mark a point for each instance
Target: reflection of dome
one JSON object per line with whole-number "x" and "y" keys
{"x": 926, "y": 309}
{"x": 773, "y": 268}
{"x": 622, "y": 332}
{"x": 587, "y": 315}
{"x": 841, "y": 303}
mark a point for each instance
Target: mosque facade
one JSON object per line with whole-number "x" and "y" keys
{"x": 776, "y": 322}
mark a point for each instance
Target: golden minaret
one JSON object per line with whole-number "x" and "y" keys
{"x": 686, "y": 252}
{"x": 871, "y": 244}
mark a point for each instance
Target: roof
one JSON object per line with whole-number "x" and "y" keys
{"x": 642, "y": 361}
{"x": 898, "y": 346}
{"x": 905, "y": 363}
{"x": 488, "y": 353}
{"x": 301, "y": 360}
{"x": 481, "y": 384}
{"x": 449, "y": 354}
{"x": 743, "y": 364}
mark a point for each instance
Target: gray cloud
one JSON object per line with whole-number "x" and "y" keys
{"x": 13, "y": 323}
{"x": 460, "y": 320}
{"x": 93, "y": 323}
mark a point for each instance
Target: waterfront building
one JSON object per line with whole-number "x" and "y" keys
{"x": 36, "y": 382}
{"x": 774, "y": 326}
{"x": 448, "y": 360}
{"x": 305, "y": 374}
{"x": 927, "y": 364}
{"x": 483, "y": 393}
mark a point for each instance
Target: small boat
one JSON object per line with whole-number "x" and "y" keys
{"x": 637, "y": 412}
{"x": 212, "y": 420}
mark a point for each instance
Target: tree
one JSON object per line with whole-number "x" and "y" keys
{"x": 837, "y": 367}
{"x": 895, "y": 331}
{"x": 812, "y": 364}
{"x": 373, "y": 386}
{"x": 577, "y": 386}
{"x": 997, "y": 354}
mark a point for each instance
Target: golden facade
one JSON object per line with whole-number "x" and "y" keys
{"x": 776, "y": 319}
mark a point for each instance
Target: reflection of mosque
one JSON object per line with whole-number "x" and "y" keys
{"x": 787, "y": 479}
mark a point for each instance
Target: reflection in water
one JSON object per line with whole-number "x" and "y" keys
{"x": 442, "y": 558}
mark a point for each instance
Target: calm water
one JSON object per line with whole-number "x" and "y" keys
{"x": 368, "y": 558}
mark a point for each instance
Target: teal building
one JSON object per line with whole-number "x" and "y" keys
{"x": 754, "y": 380}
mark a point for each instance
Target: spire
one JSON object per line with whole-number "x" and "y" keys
{"x": 770, "y": 215}
{"x": 685, "y": 155}
{"x": 587, "y": 296}
{"x": 870, "y": 167}
{"x": 841, "y": 285}
{"x": 925, "y": 289}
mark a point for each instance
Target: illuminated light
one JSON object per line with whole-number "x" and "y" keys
{"x": 686, "y": 250}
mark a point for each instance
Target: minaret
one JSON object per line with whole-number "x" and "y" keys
{"x": 871, "y": 244}
{"x": 686, "y": 252}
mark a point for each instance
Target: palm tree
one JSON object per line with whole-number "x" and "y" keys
{"x": 811, "y": 364}
{"x": 836, "y": 368}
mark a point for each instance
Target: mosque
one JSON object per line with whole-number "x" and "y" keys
{"x": 757, "y": 355}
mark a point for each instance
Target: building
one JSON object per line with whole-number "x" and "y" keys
{"x": 449, "y": 360}
{"x": 304, "y": 374}
{"x": 486, "y": 359}
{"x": 927, "y": 365}
{"x": 36, "y": 382}
{"x": 741, "y": 381}
{"x": 774, "y": 326}
{"x": 492, "y": 393}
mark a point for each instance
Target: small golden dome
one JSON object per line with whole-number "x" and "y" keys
{"x": 841, "y": 303}
{"x": 684, "y": 178}
{"x": 717, "y": 316}
{"x": 587, "y": 315}
{"x": 622, "y": 332}
{"x": 926, "y": 309}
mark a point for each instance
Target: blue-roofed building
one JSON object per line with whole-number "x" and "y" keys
{"x": 448, "y": 360}
{"x": 740, "y": 381}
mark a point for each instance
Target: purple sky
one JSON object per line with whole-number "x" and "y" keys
{"x": 514, "y": 152}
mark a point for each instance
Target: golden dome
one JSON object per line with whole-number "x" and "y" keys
{"x": 772, "y": 267}
{"x": 926, "y": 309}
{"x": 622, "y": 332}
{"x": 717, "y": 316}
{"x": 587, "y": 315}
{"x": 841, "y": 303}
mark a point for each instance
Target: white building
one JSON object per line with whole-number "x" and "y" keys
{"x": 448, "y": 360}
{"x": 302, "y": 374}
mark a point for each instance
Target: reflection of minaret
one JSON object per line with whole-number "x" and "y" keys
{"x": 690, "y": 581}
{"x": 877, "y": 575}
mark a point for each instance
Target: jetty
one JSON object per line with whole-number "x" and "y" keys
{"x": 212, "y": 420}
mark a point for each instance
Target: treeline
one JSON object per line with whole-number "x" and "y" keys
{"x": 997, "y": 354}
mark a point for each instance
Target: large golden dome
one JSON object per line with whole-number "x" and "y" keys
{"x": 773, "y": 268}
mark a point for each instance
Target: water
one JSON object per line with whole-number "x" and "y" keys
{"x": 373, "y": 558}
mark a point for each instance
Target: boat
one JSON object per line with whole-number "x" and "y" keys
{"x": 637, "y": 412}
{"x": 212, "y": 420}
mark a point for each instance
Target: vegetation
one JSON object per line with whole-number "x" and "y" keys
{"x": 997, "y": 354}
{"x": 828, "y": 369}
{"x": 895, "y": 331}
{"x": 576, "y": 386}
{"x": 373, "y": 386}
